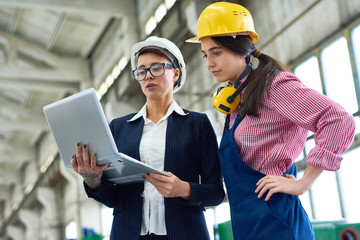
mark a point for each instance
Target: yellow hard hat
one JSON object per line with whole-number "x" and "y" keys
{"x": 225, "y": 19}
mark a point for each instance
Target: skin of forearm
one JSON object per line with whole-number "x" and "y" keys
{"x": 310, "y": 175}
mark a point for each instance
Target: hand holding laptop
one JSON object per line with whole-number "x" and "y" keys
{"x": 85, "y": 164}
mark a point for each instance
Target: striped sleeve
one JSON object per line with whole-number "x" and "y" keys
{"x": 333, "y": 126}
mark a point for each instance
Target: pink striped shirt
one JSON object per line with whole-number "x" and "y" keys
{"x": 271, "y": 142}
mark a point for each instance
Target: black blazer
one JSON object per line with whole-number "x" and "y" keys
{"x": 191, "y": 154}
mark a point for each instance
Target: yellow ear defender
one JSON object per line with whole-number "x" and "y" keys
{"x": 220, "y": 99}
{"x": 227, "y": 99}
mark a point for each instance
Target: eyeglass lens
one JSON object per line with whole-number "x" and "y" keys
{"x": 156, "y": 70}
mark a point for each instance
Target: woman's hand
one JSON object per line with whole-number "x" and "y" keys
{"x": 288, "y": 184}
{"x": 169, "y": 187}
{"x": 85, "y": 165}
{"x": 275, "y": 184}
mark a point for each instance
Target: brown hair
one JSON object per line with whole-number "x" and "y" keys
{"x": 154, "y": 50}
{"x": 261, "y": 78}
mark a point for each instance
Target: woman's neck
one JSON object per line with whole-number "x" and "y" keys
{"x": 156, "y": 109}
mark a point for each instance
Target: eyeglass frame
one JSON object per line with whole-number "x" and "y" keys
{"x": 149, "y": 70}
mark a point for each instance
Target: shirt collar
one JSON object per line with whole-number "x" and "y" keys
{"x": 173, "y": 107}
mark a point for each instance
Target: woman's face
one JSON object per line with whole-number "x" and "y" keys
{"x": 157, "y": 87}
{"x": 224, "y": 64}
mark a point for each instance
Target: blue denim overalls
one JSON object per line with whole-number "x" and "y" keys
{"x": 282, "y": 217}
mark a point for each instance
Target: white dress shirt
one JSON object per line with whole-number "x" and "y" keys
{"x": 152, "y": 152}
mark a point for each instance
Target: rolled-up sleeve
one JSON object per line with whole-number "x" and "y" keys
{"x": 335, "y": 133}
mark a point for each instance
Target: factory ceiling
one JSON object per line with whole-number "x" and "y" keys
{"x": 48, "y": 50}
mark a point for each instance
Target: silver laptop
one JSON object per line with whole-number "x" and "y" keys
{"x": 80, "y": 118}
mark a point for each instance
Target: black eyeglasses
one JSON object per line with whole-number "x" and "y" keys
{"x": 156, "y": 70}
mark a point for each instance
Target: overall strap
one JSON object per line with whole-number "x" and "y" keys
{"x": 238, "y": 117}
{"x": 227, "y": 121}
{"x": 237, "y": 120}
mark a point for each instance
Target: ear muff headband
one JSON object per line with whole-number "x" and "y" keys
{"x": 226, "y": 99}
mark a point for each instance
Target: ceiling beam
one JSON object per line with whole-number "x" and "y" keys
{"x": 39, "y": 85}
{"x": 4, "y": 193}
{"x": 25, "y": 65}
{"x": 51, "y": 41}
{"x": 17, "y": 156}
{"x": 14, "y": 20}
{"x": 10, "y": 175}
{"x": 14, "y": 110}
{"x": 115, "y": 8}
{"x": 15, "y": 146}
{"x": 36, "y": 123}
{"x": 13, "y": 156}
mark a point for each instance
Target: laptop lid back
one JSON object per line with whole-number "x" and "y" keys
{"x": 80, "y": 119}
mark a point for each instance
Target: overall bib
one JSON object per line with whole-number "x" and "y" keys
{"x": 281, "y": 217}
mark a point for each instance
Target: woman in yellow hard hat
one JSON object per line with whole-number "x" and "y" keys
{"x": 269, "y": 113}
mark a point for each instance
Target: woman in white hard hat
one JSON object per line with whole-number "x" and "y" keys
{"x": 168, "y": 138}
{"x": 268, "y": 115}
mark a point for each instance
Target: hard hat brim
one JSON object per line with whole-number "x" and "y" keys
{"x": 197, "y": 39}
{"x": 194, "y": 40}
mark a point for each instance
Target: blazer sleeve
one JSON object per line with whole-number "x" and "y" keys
{"x": 210, "y": 191}
{"x": 106, "y": 194}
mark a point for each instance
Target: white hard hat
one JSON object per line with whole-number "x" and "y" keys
{"x": 169, "y": 49}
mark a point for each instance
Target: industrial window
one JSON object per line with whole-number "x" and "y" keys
{"x": 338, "y": 75}
{"x": 71, "y": 231}
{"x": 355, "y": 40}
{"x": 309, "y": 73}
